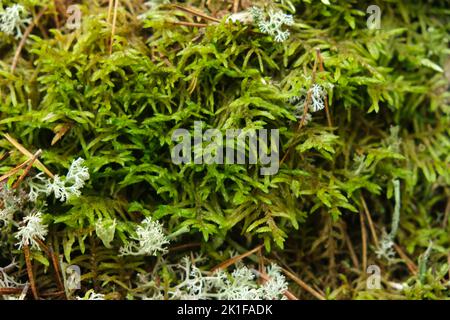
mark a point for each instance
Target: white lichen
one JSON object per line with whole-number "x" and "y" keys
{"x": 299, "y": 112}
{"x": 196, "y": 285}
{"x": 76, "y": 177}
{"x": 32, "y": 228}
{"x": 10, "y": 203}
{"x": 7, "y": 281}
{"x": 274, "y": 288}
{"x": 272, "y": 23}
{"x": 13, "y": 19}
{"x": 92, "y": 295}
{"x": 317, "y": 98}
{"x": 241, "y": 284}
{"x": 63, "y": 188}
{"x": 58, "y": 187}
{"x": 150, "y": 240}
{"x": 385, "y": 249}
{"x": 6, "y": 216}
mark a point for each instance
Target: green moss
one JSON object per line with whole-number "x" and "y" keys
{"x": 388, "y": 101}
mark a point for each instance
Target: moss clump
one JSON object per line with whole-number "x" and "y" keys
{"x": 356, "y": 109}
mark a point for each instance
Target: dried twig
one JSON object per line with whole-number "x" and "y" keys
{"x": 43, "y": 246}
{"x": 27, "y": 169}
{"x": 55, "y": 13}
{"x": 448, "y": 262}
{"x": 53, "y": 294}
{"x": 110, "y": 6}
{"x": 24, "y": 39}
{"x": 447, "y": 212}
{"x": 350, "y": 247}
{"x": 364, "y": 242}
{"x": 305, "y": 107}
{"x": 409, "y": 263}
{"x": 26, "y": 251}
{"x": 309, "y": 95}
{"x": 6, "y": 291}
{"x": 412, "y": 267}
{"x": 303, "y": 284}
{"x": 14, "y": 171}
{"x": 113, "y": 30}
{"x": 235, "y": 6}
{"x": 369, "y": 219}
{"x": 5, "y": 155}
{"x": 56, "y": 266}
{"x": 233, "y": 260}
{"x": 23, "y": 150}
{"x": 189, "y": 24}
{"x": 185, "y": 246}
{"x": 195, "y": 12}
{"x": 321, "y": 68}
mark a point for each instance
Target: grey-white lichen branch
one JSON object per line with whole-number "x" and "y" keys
{"x": 386, "y": 249}
{"x": 273, "y": 22}
{"x": 12, "y": 19}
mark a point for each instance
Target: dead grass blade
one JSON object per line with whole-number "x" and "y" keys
{"x": 24, "y": 151}
{"x": 233, "y": 260}
{"x": 303, "y": 284}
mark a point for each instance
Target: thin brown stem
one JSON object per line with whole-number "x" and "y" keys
{"x": 113, "y": 30}
{"x": 43, "y": 246}
{"x": 27, "y": 169}
{"x": 233, "y": 260}
{"x": 6, "y": 291}
{"x": 185, "y": 246}
{"x": 235, "y": 6}
{"x": 350, "y": 249}
{"x": 409, "y": 263}
{"x": 55, "y": 14}
{"x": 53, "y": 294}
{"x": 447, "y": 212}
{"x": 364, "y": 242}
{"x": 303, "y": 284}
{"x": 195, "y": 12}
{"x": 110, "y": 7}
{"x": 14, "y": 171}
{"x": 369, "y": 219}
{"x": 24, "y": 39}
{"x": 57, "y": 268}
{"x": 24, "y": 151}
{"x": 305, "y": 107}
{"x": 321, "y": 68}
{"x": 189, "y": 24}
{"x": 5, "y": 155}
{"x": 26, "y": 251}
{"x": 448, "y": 262}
